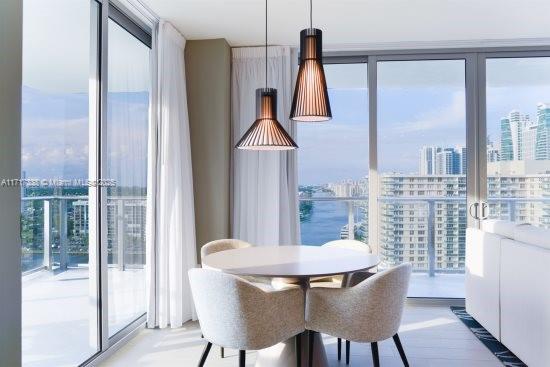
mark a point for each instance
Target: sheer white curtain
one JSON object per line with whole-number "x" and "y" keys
{"x": 265, "y": 188}
{"x": 171, "y": 250}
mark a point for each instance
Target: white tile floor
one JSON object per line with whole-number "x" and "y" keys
{"x": 431, "y": 335}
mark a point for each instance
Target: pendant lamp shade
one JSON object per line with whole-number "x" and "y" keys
{"x": 311, "y": 102}
{"x": 266, "y": 133}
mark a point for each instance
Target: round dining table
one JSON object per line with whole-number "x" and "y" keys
{"x": 298, "y": 264}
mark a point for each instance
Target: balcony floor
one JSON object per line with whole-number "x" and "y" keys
{"x": 439, "y": 286}
{"x": 59, "y": 319}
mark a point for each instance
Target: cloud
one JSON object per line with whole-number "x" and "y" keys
{"x": 450, "y": 116}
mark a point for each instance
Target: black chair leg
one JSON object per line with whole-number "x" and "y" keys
{"x": 298, "y": 350}
{"x": 401, "y": 350}
{"x": 348, "y": 346}
{"x": 310, "y": 349}
{"x": 205, "y": 354}
{"x": 375, "y": 358}
{"x": 339, "y": 348}
{"x": 222, "y": 352}
{"x": 242, "y": 358}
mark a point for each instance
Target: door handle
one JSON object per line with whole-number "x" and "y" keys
{"x": 475, "y": 207}
{"x": 484, "y": 214}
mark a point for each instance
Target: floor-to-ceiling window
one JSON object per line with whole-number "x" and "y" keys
{"x": 58, "y": 326}
{"x": 455, "y": 138}
{"x": 518, "y": 139}
{"x": 126, "y": 163}
{"x": 334, "y": 162}
{"x": 82, "y": 137}
{"x": 422, "y": 165}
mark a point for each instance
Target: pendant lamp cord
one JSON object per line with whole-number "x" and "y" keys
{"x": 310, "y": 13}
{"x": 266, "y": 43}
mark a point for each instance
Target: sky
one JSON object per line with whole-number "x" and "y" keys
{"x": 420, "y": 103}
{"x": 55, "y": 97}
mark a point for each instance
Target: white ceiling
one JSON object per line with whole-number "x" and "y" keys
{"x": 347, "y": 23}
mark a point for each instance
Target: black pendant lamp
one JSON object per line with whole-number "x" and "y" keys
{"x": 266, "y": 133}
{"x": 311, "y": 102}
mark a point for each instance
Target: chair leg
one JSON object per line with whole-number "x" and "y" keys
{"x": 401, "y": 350}
{"x": 310, "y": 349}
{"x": 222, "y": 352}
{"x": 205, "y": 354}
{"x": 339, "y": 348}
{"x": 242, "y": 358}
{"x": 348, "y": 346}
{"x": 298, "y": 350}
{"x": 375, "y": 358}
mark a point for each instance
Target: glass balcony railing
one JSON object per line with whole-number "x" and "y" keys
{"x": 429, "y": 232}
{"x": 54, "y": 232}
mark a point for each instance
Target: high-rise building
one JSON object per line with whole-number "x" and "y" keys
{"x": 442, "y": 161}
{"x": 542, "y": 148}
{"x": 463, "y": 156}
{"x": 350, "y": 188}
{"x": 493, "y": 153}
{"x": 506, "y": 143}
{"x": 529, "y": 141}
{"x": 80, "y": 218}
{"x": 519, "y": 137}
{"x": 427, "y": 160}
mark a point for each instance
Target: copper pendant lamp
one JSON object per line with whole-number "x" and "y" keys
{"x": 311, "y": 102}
{"x": 266, "y": 133}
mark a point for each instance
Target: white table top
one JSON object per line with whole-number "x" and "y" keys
{"x": 290, "y": 261}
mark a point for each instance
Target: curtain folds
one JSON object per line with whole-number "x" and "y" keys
{"x": 265, "y": 187}
{"x": 171, "y": 250}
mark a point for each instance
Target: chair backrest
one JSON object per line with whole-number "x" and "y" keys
{"x": 382, "y": 298}
{"x": 221, "y": 303}
{"x": 222, "y": 245}
{"x": 349, "y": 244}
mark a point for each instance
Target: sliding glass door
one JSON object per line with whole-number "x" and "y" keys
{"x": 422, "y": 167}
{"x": 126, "y": 164}
{"x": 517, "y": 170}
{"x": 85, "y": 122}
{"x": 59, "y": 316}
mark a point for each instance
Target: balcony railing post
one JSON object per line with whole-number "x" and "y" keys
{"x": 431, "y": 238}
{"x": 47, "y": 230}
{"x": 512, "y": 210}
{"x": 120, "y": 234}
{"x": 63, "y": 242}
{"x": 351, "y": 221}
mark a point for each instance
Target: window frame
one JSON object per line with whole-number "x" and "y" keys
{"x": 475, "y": 107}
{"x": 128, "y": 18}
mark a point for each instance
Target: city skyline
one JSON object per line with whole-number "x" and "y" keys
{"x": 423, "y": 107}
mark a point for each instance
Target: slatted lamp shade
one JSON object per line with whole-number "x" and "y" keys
{"x": 311, "y": 102}
{"x": 266, "y": 133}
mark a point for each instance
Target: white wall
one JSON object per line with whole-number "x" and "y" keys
{"x": 10, "y": 167}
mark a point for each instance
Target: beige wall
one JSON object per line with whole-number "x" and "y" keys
{"x": 10, "y": 167}
{"x": 208, "y": 71}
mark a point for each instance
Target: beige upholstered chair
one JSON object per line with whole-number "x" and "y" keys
{"x": 222, "y": 245}
{"x": 233, "y": 313}
{"x": 339, "y": 280}
{"x": 336, "y": 281}
{"x": 367, "y": 313}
